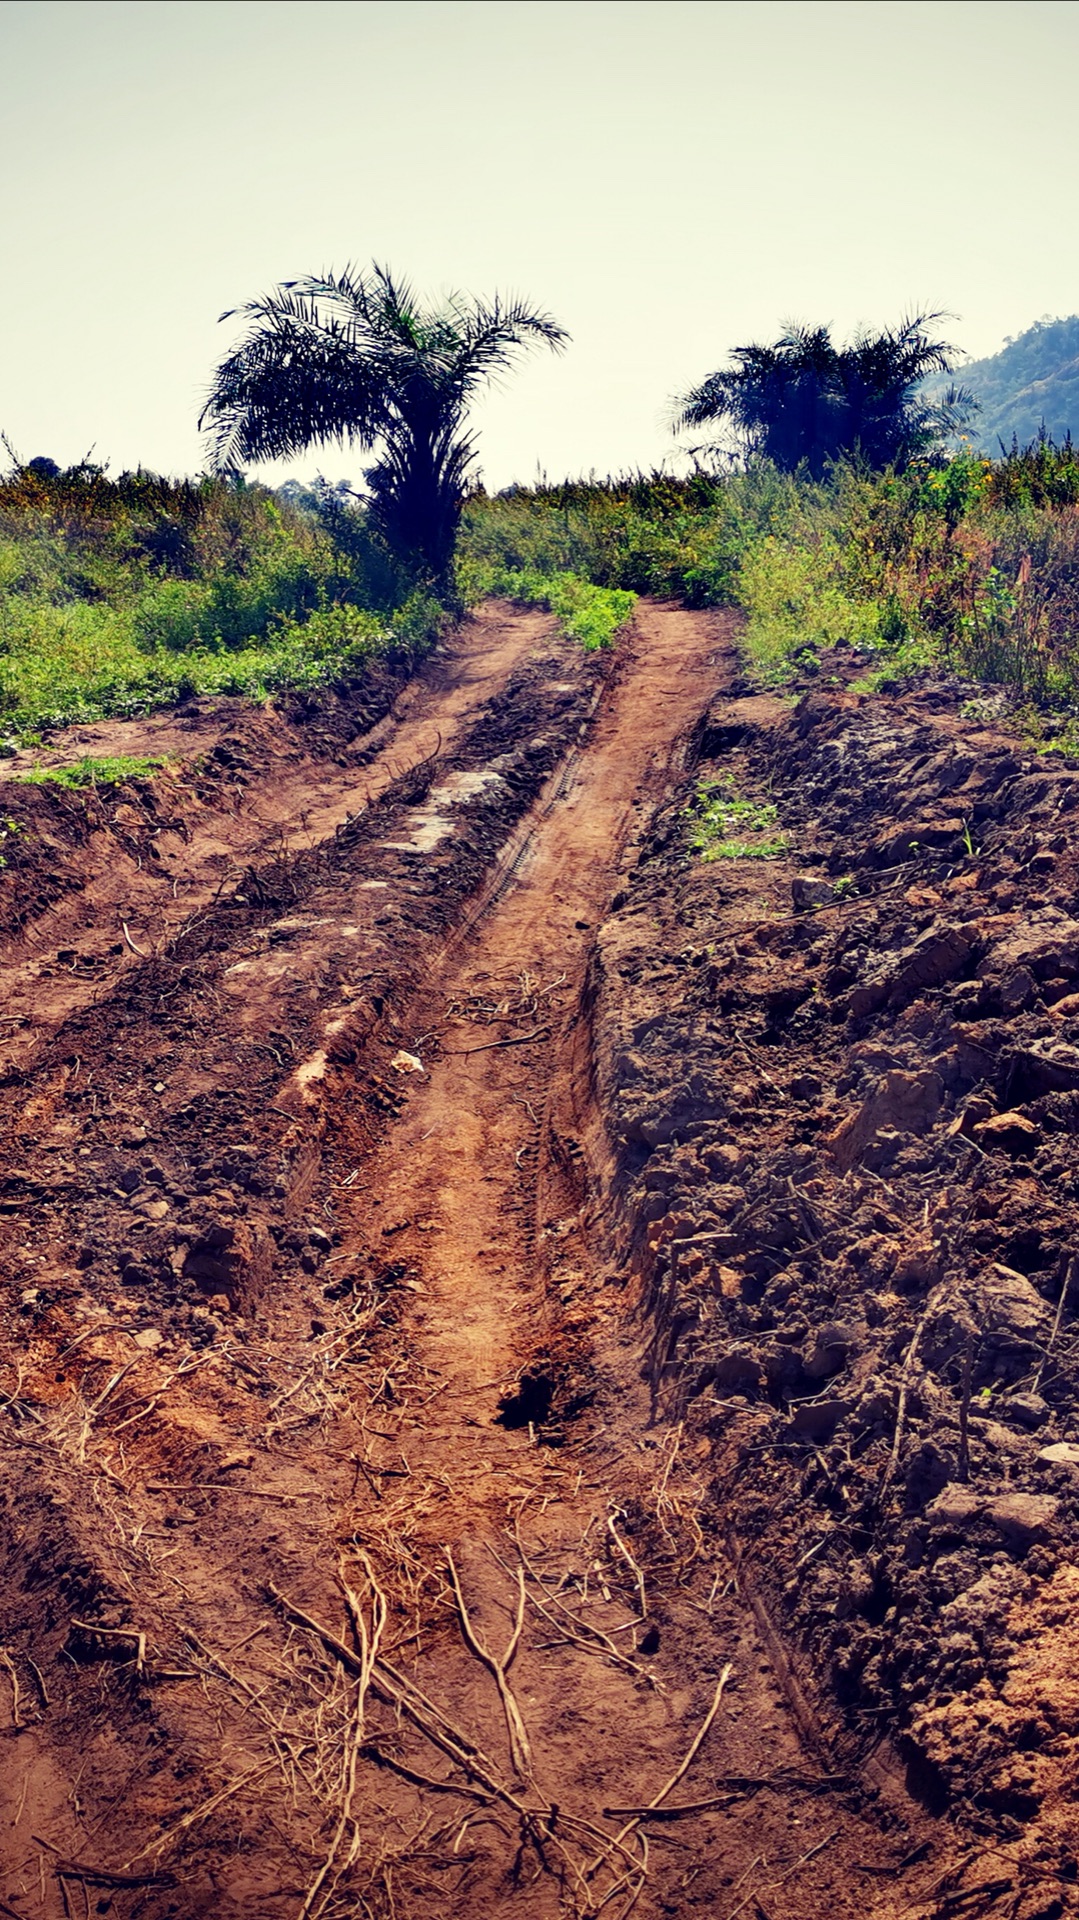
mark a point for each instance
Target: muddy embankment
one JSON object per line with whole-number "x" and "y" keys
{"x": 843, "y": 1088}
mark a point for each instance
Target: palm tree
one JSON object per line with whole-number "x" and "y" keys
{"x": 805, "y": 401}
{"x": 354, "y": 357}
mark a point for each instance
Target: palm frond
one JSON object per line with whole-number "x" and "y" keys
{"x": 805, "y": 400}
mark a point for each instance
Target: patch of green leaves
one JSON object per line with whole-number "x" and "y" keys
{"x": 108, "y": 771}
{"x": 718, "y": 817}
{"x": 592, "y": 614}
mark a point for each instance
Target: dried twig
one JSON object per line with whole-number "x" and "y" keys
{"x": 695, "y": 1744}
{"x": 201, "y": 1812}
{"x": 1071, "y": 1270}
{"x": 520, "y": 1749}
{"x": 717, "y": 1801}
{"x": 513, "y": 1040}
{"x": 102, "y": 1877}
{"x": 628, "y": 1558}
{"x": 904, "y": 1388}
{"x": 118, "y": 1633}
{"x": 801, "y": 1861}
{"x": 8, "y": 1664}
{"x": 658, "y": 1798}
{"x": 369, "y": 1639}
{"x": 583, "y": 1627}
{"x": 408, "y": 1699}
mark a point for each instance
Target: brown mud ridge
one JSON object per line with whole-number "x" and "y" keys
{"x": 371, "y": 1547}
{"x": 846, "y": 1087}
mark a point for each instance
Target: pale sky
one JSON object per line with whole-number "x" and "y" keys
{"x": 669, "y": 180}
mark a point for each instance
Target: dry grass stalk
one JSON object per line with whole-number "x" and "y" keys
{"x": 657, "y": 1800}
{"x": 520, "y": 1748}
{"x": 628, "y": 1558}
{"x": 8, "y": 1665}
{"x": 536, "y": 1822}
{"x": 582, "y": 1634}
{"x": 117, "y": 1633}
{"x": 368, "y": 1632}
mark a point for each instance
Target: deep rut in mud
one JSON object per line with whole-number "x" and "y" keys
{"x": 347, "y": 1571}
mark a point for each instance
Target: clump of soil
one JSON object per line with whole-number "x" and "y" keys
{"x": 843, "y": 1090}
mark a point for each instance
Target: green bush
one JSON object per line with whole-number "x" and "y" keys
{"x": 110, "y": 771}
{"x": 968, "y": 563}
{"x": 118, "y": 596}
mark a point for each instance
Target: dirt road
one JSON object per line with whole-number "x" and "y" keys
{"x": 347, "y": 1571}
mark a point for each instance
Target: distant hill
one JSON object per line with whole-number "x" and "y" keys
{"x": 1033, "y": 381}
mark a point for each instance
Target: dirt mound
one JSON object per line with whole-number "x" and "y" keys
{"x": 843, "y": 1090}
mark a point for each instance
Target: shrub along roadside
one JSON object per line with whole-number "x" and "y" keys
{"x": 970, "y": 565}
{"x": 120, "y": 596}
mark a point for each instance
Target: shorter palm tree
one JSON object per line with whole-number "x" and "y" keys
{"x": 806, "y": 402}
{"x": 354, "y": 357}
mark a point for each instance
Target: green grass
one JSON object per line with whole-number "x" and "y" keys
{"x": 718, "y": 815}
{"x": 108, "y": 771}
{"x": 591, "y": 614}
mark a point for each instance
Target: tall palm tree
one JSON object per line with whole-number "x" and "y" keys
{"x": 807, "y": 401}
{"x": 355, "y": 357}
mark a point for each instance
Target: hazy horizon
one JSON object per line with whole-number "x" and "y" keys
{"x": 668, "y": 179}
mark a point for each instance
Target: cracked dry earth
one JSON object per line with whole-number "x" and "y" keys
{"x": 388, "y": 1529}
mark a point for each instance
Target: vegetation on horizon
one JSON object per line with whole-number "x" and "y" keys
{"x": 1027, "y": 390}
{"x": 966, "y": 564}
{"x": 846, "y": 523}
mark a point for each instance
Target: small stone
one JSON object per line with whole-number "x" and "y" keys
{"x": 1017, "y": 991}
{"x": 220, "y": 1303}
{"x": 134, "y": 1137}
{"x": 728, "y": 1282}
{"x": 831, "y": 1349}
{"x": 1062, "y": 1453}
{"x": 740, "y": 1367}
{"x": 807, "y": 893}
{"x": 1023, "y": 1518}
{"x": 130, "y": 1180}
{"x": 1066, "y": 1009}
{"x": 725, "y": 1161}
{"x": 955, "y": 1506}
{"x": 1027, "y": 1409}
{"x": 149, "y": 1337}
{"x": 806, "y": 1086}
{"x": 135, "y": 1275}
{"x": 319, "y": 1239}
{"x": 1012, "y": 1132}
{"x": 818, "y": 1419}
{"x": 155, "y": 1209}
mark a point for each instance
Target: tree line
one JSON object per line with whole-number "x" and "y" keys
{"x": 357, "y": 357}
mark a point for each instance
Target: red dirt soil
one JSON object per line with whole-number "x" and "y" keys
{"x": 358, "y": 1559}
